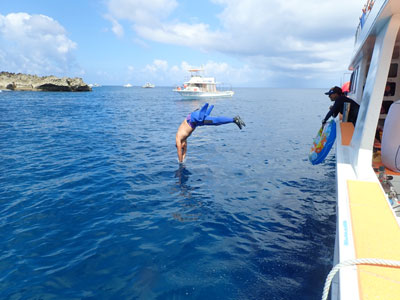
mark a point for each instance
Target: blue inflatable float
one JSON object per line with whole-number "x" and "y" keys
{"x": 323, "y": 143}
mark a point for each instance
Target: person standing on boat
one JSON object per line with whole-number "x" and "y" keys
{"x": 199, "y": 118}
{"x": 336, "y": 94}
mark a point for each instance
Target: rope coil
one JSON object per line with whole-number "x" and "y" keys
{"x": 354, "y": 262}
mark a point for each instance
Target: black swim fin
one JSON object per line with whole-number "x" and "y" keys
{"x": 239, "y": 122}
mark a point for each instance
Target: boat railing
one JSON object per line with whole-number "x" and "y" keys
{"x": 363, "y": 18}
{"x": 346, "y": 110}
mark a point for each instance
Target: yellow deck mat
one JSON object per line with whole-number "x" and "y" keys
{"x": 376, "y": 235}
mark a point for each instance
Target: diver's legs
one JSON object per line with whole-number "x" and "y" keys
{"x": 217, "y": 120}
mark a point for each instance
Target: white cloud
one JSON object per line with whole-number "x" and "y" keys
{"x": 149, "y": 21}
{"x": 161, "y": 64}
{"x": 279, "y": 36}
{"x": 162, "y": 73}
{"x": 34, "y": 44}
{"x": 141, "y": 11}
{"x": 116, "y": 27}
{"x": 273, "y": 27}
{"x": 190, "y": 35}
{"x": 157, "y": 66}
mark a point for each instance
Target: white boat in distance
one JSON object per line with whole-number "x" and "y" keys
{"x": 201, "y": 87}
{"x": 94, "y": 85}
{"x": 128, "y": 85}
{"x": 148, "y": 85}
{"x": 367, "y": 245}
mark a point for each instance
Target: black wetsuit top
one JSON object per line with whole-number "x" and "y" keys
{"x": 338, "y": 106}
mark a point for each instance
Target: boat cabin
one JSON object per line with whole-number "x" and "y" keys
{"x": 368, "y": 163}
{"x": 375, "y": 85}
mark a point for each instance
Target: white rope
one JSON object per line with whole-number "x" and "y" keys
{"x": 353, "y": 262}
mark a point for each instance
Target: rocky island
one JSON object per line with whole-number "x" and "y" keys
{"x": 24, "y": 82}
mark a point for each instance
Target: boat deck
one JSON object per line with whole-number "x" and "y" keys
{"x": 377, "y": 239}
{"x": 390, "y": 180}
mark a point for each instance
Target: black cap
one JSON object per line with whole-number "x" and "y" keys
{"x": 334, "y": 90}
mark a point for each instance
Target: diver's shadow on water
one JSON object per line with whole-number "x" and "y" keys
{"x": 188, "y": 204}
{"x": 182, "y": 174}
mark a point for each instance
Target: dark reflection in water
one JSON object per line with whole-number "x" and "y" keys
{"x": 182, "y": 175}
{"x": 188, "y": 204}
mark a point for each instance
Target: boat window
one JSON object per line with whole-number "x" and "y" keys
{"x": 385, "y": 106}
{"x": 353, "y": 80}
{"x": 396, "y": 52}
{"x": 393, "y": 70}
{"x": 390, "y": 89}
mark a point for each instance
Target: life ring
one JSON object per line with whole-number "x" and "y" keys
{"x": 323, "y": 143}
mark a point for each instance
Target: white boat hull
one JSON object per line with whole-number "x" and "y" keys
{"x": 199, "y": 87}
{"x": 148, "y": 86}
{"x": 199, "y": 95}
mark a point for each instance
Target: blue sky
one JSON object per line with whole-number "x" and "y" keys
{"x": 247, "y": 43}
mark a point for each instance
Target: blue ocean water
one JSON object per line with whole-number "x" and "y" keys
{"x": 94, "y": 205}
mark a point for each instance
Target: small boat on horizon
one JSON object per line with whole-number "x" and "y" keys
{"x": 94, "y": 85}
{"x": 148, "y": 85}
{"x": 128, "y": 85}
{"x": 198, "y": 87}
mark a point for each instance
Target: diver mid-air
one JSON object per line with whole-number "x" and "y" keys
{"x": 200, "y": 117}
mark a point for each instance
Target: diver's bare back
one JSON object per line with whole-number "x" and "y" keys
{"x": 184, "y": 131}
